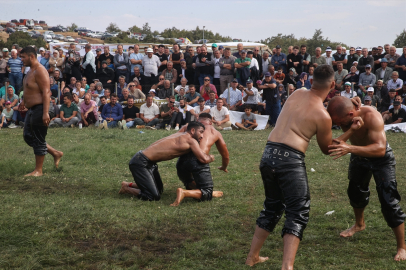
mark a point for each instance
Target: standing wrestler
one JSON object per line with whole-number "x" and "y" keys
{"x": 37, "y": 95}
{"x": 283, "y": 169}
{"x": 370, "y": 155}
{"x": 148, "y": 184}
{"x": 196, "y": 175}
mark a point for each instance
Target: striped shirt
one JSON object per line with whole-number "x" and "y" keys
{"x": 15, "y": 65}
{"x": 235, "y": 96}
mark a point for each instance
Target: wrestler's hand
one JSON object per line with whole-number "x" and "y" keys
{"x": 45, "y": 119}
{"x": 212, "y": 158}
{"x": 340, "y": 149}
{"x": 222, "y": 168}
{"x": 357, "y": 123}
{"x": 357, "y": 102}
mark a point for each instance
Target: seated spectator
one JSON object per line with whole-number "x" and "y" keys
{"x": 212, "y": 100}
{"x": 206, "y": 88}
{"x": 248, "y": 121}
{"x": 137, "y": 84}
{"x": 106, "y": 75}
{"x": 192, "y": 97}
{"x": 168, "y": 113}
{"x": 152, "y": 93}
{"x": 121, "y": 85}
{"x": 164, "y": 91}
{"x": 78, "y": 90}
{"x": 235, "y": 99}
{"x": 282, "y": 93}
{"x": 185, "y": 72}
{"x": 67, "y": 113}
{"x": 180, "y": 95}
{"x": 392, "y": 57}
{"x": 149, "y": 114}
{"x": 139, "y": 76}
{"x": 107, "y": 94}
{"x": 250, "y": 96}
{"x": 330, "y": 95}
{"x": 112, "y": 113}
{"x": 124, "y": 98}
{"x": 352, "y": 77}
{"x": 19, "y": 114}
{"x": 402, "y": 92}
{"x": 88, "y": 111}
{"x": 374, "y": 99}
{"x": 384, "y": 73}
{"x": 368, "y": 102}
{"x": 388, "y": 100}
{"x": 366, "y": 80}
{"x": 72, "y": 83}
{"x": 339, "y": 76}
{"x": 170, "y": 73}
{"x": 348, "y": 92}
{"x": 54, "y": 87}
{"x": 9, "y": 96}
{"x": 135, "y": 92}
{"x": 183, "y": 85}
{"x": 3, "y": 89}
{"x": 130, "y": 114}
{"x": 202, "y": 108}
{"x": 99, "y": 92}
{"x": 103, "y": 101}
{"x": 8, "y": 113}
{"x": 396, "y": 114}
{"x": 184, "y": 115}
{"x": 303, "y": 81}
{"x": 338, "y": 93}
{"x": 221, "y": 115}
{"x": 279, "y": 75}
{"x": 311, "y": 72}
{"x": 291, "y": 77}
{"x": 63, "y": 92}
{"x": 380, "y": 89}
{"x": 77, "y": 101}
{"x": 84, "y": 84}
{"x": 395, "y": 82}
{"x": 3, "y": 122}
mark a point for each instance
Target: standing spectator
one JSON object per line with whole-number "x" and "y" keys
{"x": 392, "y": 57}
{"x": 221, "y": 115}
{"x": 377, "y": 58}
{"x": 97, "y": 60}
{"x": 112, "y": 113}
{"x": 366, "y": 80}
{"x": 240, "y": 47}
{"x": 162, "y": 57}
{"x": 68, "y": 113}
{"x": 387, "y": 49}
{"x": 279, "y": 76}
{"x": 41, "y": 54}
{"x": 266, "y": 61}
{"x": 106, "y": 55}
{"x": 234, "y": 101}
{"x": 3, "y": 66}
{"x": 329, "y": 57}
{"x": 192, "y": 97}
{"x": 242, "y": 65}
{"x": 176, "y": 57}
{"x": 15, "y": 68}
{"x": 318, "y": 59}
{"x": 212, "y": 100}
{"x": 339, "y": 76}
{"x": 150, "y": 63}
{"x": 168, "y": 113}
{"x": 130, "y": 114}
{"x": 88, "y": 111}
{"x": 384, "y": 73}
{"x": 72, "y": 65}
{"x": 45, "y": 61}
{"x": 351, "y": 58}
{"x": 216, "y": 74}
{"x": 365, "y": 60}
{"x": 272, "y": 98}
{"x": 121, "y": 63}
{"x": 89, "y": 66}
{"x": 401, "y": 65}
{"x": 226, "y": 69}
{"x": 136, "y": 59}
{"x": 106, "y": 75}
{"x": 149, "y": 114}
{"x": 395, "y": 83}
{"x": 258, "y": 57}
{"x": 55, "y": 63}
{"x": 279, "y": 59}
{"x": 306, "y": 58}
{"x": 205, "y": 65}
{"x": 206, "y": 88}
{"x": 339, "y": 57}
{"x": 170, "y": 73}
{"x": 295, "y": 60}
{"x": 358, "y": 52}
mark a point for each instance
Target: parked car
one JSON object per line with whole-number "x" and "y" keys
{"x": 38, "y": 36}
{"x": 1, "y": 28}
{"x": 105, "y": 36}
{"x": 81, "y": 29}
{"x": 81, "y": 41}
{"x": 69, "y": 39}
{"x": 22, "y": 27}
{"x": 114, "y": 34}
{"x": 59, "y": 37}
{"x": 56, "y": 29}
{"x": 10, "y": 30}
{"x": 158, "y": 37}
{"x": 30, "y": 33}
{"x": 37, "y": 27}
{"x": 49, "y": 33}
{"x": 48, "y": 38}
{"x": 35, "y": 32}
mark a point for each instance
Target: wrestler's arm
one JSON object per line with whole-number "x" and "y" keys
{"x": 42, "y": 80}
{"x": 200, "y": 155}
{"x": 222, "y": 148}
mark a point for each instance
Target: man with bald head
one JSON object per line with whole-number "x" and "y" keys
{"x": 370, "y": 155}
{"x": 240, "y": 47}
{"x": 318, "y": 59}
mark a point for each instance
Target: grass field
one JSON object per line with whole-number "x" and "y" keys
{"x": 73, "y": 217}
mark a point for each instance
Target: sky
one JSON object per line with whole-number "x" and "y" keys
{"x": 355, "y": 23}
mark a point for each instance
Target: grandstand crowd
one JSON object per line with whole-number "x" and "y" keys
{"x": 155, "y": 87}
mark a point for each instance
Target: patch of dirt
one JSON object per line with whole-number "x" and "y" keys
{"x": 4, "y": 36}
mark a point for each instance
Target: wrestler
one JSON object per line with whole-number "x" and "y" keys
{"x": 148, "y": 184}
{"x": 196, "y": 176}
{"x": 370, "y": 155}
{"x": 37, "y": 94}
{"x": 283, "y": 169}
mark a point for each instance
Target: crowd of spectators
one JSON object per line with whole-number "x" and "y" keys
{"x": 108, "y": 91}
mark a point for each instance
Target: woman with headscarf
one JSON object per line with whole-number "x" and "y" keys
{"x": 55, "y": 62}
{"x": 303, "y": 82}
{"x": 72, "y": 65}
{"x": 54, "y": 87}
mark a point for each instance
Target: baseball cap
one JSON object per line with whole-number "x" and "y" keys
{"x": 368, "y": 66}
{"x": 348, "y": 83}
{"x": 358, "y": 49}
{"x": 98, "y": 50}
{"x": 355, "y": 62}
{"x": 221, "y": 47}
{"x": 367, "y": 98}
{"x": 235, "y": 80}
{"x": 384, "y": 60}
{"x": 152, "y": 90}
{"x": 150, "y": 50}
{"x": 370, "y": 89}
{"x": 243, "y": 51}
{"x": 249, "y": 81}
{"x": 268, "y": 74}
{"x": 42, "y": 49}
{"x": 328, "y": 49}
{"x": 8, "y": 102}
{"x": 214, "y": 45}
{"x": 278, "y": 46}
{"x": 200, "y": 99}
{"x": 5, "y": 50}
{"x": 104, "y": 62}
{"x": 396, "y": 103}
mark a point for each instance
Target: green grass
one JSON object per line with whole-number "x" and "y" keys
{"x": 73, "y": 218}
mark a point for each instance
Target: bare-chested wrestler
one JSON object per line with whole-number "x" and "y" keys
{"x": 370, "y": 155}
{"x": 37, "y": 95}
{"x": 283, "y": 169}
{"x": 196, "y": 176}
{"x": 148, "y": 184}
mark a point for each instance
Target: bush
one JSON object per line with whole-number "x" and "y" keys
{"x": 23, "y": 40}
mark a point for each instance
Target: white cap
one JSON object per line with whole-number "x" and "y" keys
{"x": 41, "y": 49}
{"x": 150, "y": 50}
{"x": 152, "y": 90}
{"x": 370, "y": 89}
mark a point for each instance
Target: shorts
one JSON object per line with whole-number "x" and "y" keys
{"x": 146, "y": 176}
{"x": 286, "y": 189}
{"x": 190, "y": 170}
{"x": 35, "y": 131}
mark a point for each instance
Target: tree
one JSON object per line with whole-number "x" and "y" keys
{"x": 72, "y": 27}
{"x": 113, "y": 27}
{"x": 146, "y": 29}
{"x": 135, "y": 29}
{"x": 400, "y": 40}
{"x": 23, "y": 40}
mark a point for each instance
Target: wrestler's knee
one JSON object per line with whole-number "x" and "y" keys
{"x": 359, "y": 198}
{"x": 297, "y": 216}
{"x": 207, "y": 194}
{"x": 270, "y": 215}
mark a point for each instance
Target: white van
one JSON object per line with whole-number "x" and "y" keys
{"x": 48, "y": 38}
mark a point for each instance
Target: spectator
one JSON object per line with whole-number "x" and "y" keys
{"x": 19, "y": 114}
{"x": 266, "y": 61}
{"x": 121, "y": 85}
{"x": 8, "y": 113}
{"x": 170, "y": 73}
{"x": 387, "y": 100}
{"x": 162, "y": 57}
{"x": 311, "y": 72}
{"x": 290, "y": 78}
{"x": 58, "y": 78}
{"x": 41, "y": 53}
{"x": 3, "y": 66}
{"x": 168, "y": 113}
{"x": 351, "y": 58}
{"x": 88, "y": 65}
{"x": 395, "y": 83}
{"x": 318, "y": 59}
{"x": 256, "y": 55}
{"x": 53, "y": 87}
{"x": 254, "y": 61}
{"x": 68, "y": 113}
{"x": 279, "y": 59}
{"x": 242, "y": 65}
{"x": 221, "y": 115}
{"x": 339, "y": 57}
{"x": 303, "y": 81}
{"x": 290, "y": 49}
{"x": 150, "y": 63}
{"x": 124, "y": 98}
{"x": 163, "y": 88}
{"x": 330, "y": 95}
{"x": 329, "y": 57}
{"x": 3, "y": 122}
{"x": 184, "y": 115}
{"x": 186, "y": 73}
{"x": 234, "y": 101}
{"x": 72, "y": 65}
{"x": 205, "y": 65}
{"x": 366, "y": 80}
{"x": 106, "y": 75}
{"x": 139, "y": 76}
{"x": 212, "y": 100}
{"x": 365, "y": 60}
{"x": 84, "y": 84}
{"x": 248, "y": 121}
{"x": 216, "y": 74}
{"x": 377, "y": 56}
{"x": 348, "y": 92}
{"x": 107, "y": 94}
{"x": 149, "y": 114}
{"x": 99, "y": 92}
{"x": 374, "y": 99}
{"x": 45, "y": 62}
{"x": 189, "y": 59}
{"x": 97, "y": 61}
{"x": 9, "y": 96}
{"x": 250, "y": 96}
{"x": 401, "y": 65}
{"x": 226, "y": 69}
{"x": 183, "y": 85}
{"x": 206, "y": 88}
{"x": 175, "y": 58}
{"x": 152, "y": 93}
{"x": 197, "y": 71}
{"x": 121, "y": 63}
{"x": 384, "y": 73}
{"x": 136, "y": 60}
{"x": 112, "y": 113}
{"x": 272, "y": 98}
{"x": 106, "y": 55}
{"x": 135, "y": 92}
{"x": 15, "y": 68}
{"x": 339, "y": 76}
{"x": 380, "y": 89}
{"x": 392, "y": 57}
{"x": 202, "y": 108}
{"x": 295, "y": 60}
{"x": 402, "y": 92}
{"x": 72, "y": 83}
{"x": 181, "y": 94}
{"x": 368, "y": 102}
{"x": 306, "y": 58}
{"x": 240, "y": 47}
{"x": 279, "y": 75}
{"x": 192, "y": 97}
{"x": 397, "y": 114}
{"x": 88, "y": 111}
{"x": 358, "y": 51}
{"x": 78, "y": 90}
{"x": 130, "y": 114}
{"x": 55, "y": 63}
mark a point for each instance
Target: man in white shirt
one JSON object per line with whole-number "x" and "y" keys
{"x": 150, "y": 62}
{"x": 235, "y": 96}
{"x": 254, "y": 62}
{"x": 216, "y": 76}
{"x": 348, "y": 92}
{"x": 183, "y": 85}
{"x": 395, "y": 83}
{"x": 329, "y": 57}
{"x": 89, "y": 65}
{"x": 202, "y": 108}
{"x": 149, "y": 114}
{"x": 184, "y": 115}
{"x": 221, "y": 115}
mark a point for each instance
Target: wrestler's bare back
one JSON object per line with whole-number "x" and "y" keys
{"x": 32, "y": 91}
{"x": 298, "y": 120}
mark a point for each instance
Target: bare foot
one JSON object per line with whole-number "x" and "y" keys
{"x": 351, "y": 231}
{"x": 401, "y": 255}
{"x": 123, "y": 189}
{"x": 34, "y": 173}
{"x": 179, "y": 197}
{"x": 252, "y": 261}
{"x": 57, "y": 158}
{"x": 217, "y": 194}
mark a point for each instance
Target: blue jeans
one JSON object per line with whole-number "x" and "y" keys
{"x": 16, "y": 80}
{"x": 133, "y": 123}
{"x": 138, "y": 121}
{"x": 273, "y": 111}
{"x": 202, "y": 76}
{"x": 112, "y": 124}
{"x": 17, "y": 117}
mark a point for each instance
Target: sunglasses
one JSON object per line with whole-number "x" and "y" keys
{"x": 131, "y": 85}
{"x": 171, "y": 101}
{"x": 207, "y": 79}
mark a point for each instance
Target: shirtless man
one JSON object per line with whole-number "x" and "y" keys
{"x": 283, "y": 169}
{"x": 195, "y": 175}
{"x": 370, "y": 155}
{"x": 148, "y": 184}
{"x": 37, "y": 94}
